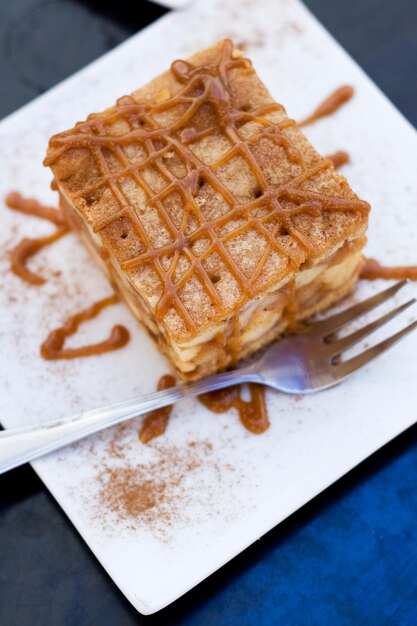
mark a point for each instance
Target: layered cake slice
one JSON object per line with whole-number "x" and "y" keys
{"x": 212, "y": 214}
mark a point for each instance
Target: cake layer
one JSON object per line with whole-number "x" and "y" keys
{"x": 258, "y": 323}
{"x": 206, "y": 199}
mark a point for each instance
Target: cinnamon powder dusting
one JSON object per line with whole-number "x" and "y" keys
{"x": 157, "y": 495}
{"x": 127, "y": 495}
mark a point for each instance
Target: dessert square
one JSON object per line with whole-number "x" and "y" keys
{"x": 214, "y": 217}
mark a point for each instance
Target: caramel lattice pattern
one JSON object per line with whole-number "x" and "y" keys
{"x": 270, "y": 213}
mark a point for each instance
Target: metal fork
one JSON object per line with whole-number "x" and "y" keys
{"x": 297, "y": 364}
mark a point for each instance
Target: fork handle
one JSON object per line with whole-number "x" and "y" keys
{"x": 20, "y": 445}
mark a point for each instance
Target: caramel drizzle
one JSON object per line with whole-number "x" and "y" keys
{"x": 330, "y": 105}
{"x": 27, "y": 248}
{"x": 202, "y": 86}
{"x": 53, "y": 347}
{"x": 339, "y": 158}
{"x": 291, "y": 309}
{"x": 156, "y": 422}
{"x": 372, "y": 270}
{"x": 252, "y": 414}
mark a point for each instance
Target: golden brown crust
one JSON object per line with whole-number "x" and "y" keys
{"x": 203, "y": 191}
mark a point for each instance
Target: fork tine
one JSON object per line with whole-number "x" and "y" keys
{"x": 331, "y": 324}
{"x": 345, "y": 368}
{"x": 340, "y": 345}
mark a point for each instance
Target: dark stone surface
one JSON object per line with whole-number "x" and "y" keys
{"x": 44, "y": 41}
{"x": 349, "y": 556}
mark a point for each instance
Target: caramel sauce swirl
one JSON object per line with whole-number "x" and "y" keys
{"x": 27, "y": 248}
{"x": 271, "y": 211}
{"x": 252, "y": 413}
{"x": 53, "y": 347}
{"x": 155, "y": 422}
{"x": 373, "y": 270}
{"x": 30, "y": 206}
{"x": 330, "y": 105}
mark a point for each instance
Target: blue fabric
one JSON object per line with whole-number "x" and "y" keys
{"x": 349, "y": 557}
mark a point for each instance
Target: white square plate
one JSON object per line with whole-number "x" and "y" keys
{"x": 218, "y": 488}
